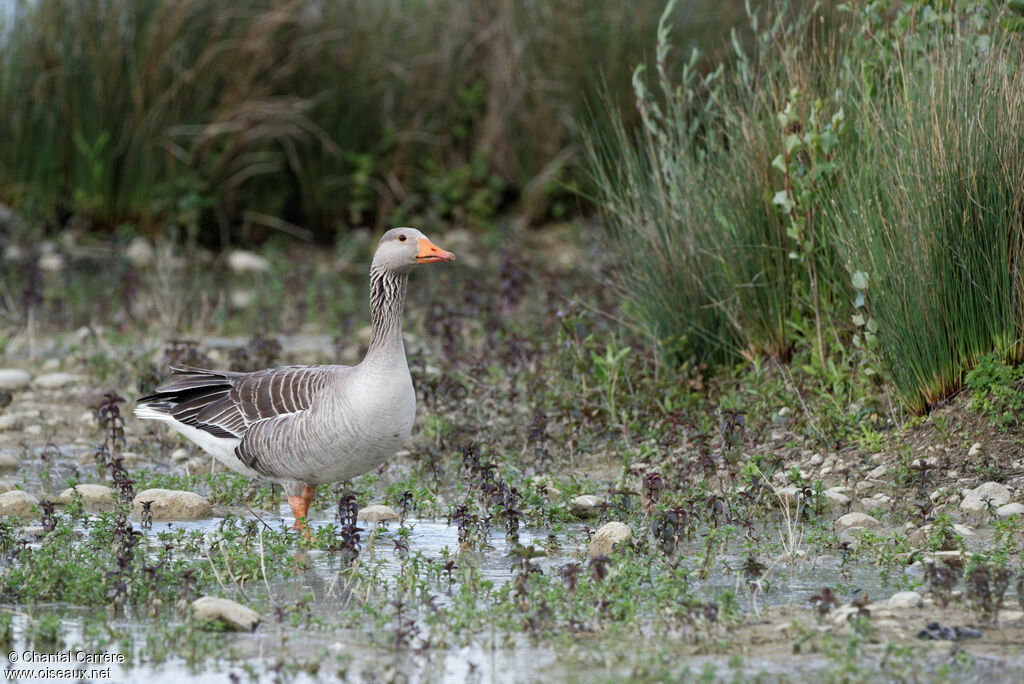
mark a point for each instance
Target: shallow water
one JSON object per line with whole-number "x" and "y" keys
{"x": 526, "y": 661}
{"x": 429, "y": 537}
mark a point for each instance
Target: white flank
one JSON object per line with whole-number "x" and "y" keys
{"x": 221, "y": 448}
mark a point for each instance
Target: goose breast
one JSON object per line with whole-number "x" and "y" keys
{"x": 360, "y": 419}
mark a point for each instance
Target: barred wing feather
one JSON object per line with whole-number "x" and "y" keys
{"x": 226, "y": 404}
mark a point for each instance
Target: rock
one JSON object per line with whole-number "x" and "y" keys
{"x": 877, "y": 501}
{"x": 196, "y": 464}
{"x": 882, "y": 499}
{"x": 13, "y": 378}
{"x": 55, "y": 380}
{"x": 836, "y": 501}
{"x": 966, "y": 532}
{"x": 179, "y": 455}
{"x": 787, "y": 496}
{"x": 233, "y": 615}
{"x": 856, "y": 520}
{"x": 983, "y": 498}
{"x": 170, "y": 504}
{"x": 241, "y": 261}
{"x": 878, "y": 473}
{"x": 919, "y": 464}
{"x": 866, "y": 505}
{"x": 5, "y": 487}
{"x": 915, "y": 569}
{"x": 11, "y": 421}
{"x": 8, "y": 461}
{"x": 951, "y": 558}
{"x": 934, "y": 631}
{"x": 903, "y": 600}
{"x": 130, "y": 458}
{"x": 605, "y": 539}
{"x": 841, "y": 616}
{"x": 18, "y": 503}
{"x": 975, "y": 450}
{"x": 14, "y": 253}
{"x": 377, "y": 513}
{"x": 1011, "y": 617}
{"x": 851, "y": 536}
{"x": 139, "y": 252}
{"x": 995, "y": 491}
{"x": 1006, "y": 510}
{"x": 816, "y": 459}
{"x": 50, "y": 261}
{"x": 585, "y": 506}
{"x": 241, "y": 299}
{"x": 545, "y": 485}
{"x": 95, "y": 498}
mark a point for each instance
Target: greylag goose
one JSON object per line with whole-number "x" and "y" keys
{"x": 303, "y": 426}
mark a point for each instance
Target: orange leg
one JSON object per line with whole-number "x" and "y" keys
{"x": 300, "y": 508}
{"x": 308, "y": 493}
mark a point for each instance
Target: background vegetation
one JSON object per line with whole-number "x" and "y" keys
{"x": 230, "y": 120}
{"x": 839, "y": 188}
{"x": 849, "y": 189}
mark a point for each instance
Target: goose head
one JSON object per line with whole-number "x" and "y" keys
{"x": 402, "y": 248}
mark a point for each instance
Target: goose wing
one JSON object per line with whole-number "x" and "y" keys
{"x": 226, "y": 404}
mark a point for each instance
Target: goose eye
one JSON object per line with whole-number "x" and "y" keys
{"x": 401, "y": 238}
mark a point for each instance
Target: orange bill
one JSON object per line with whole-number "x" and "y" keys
{"x": 429, "y": 253}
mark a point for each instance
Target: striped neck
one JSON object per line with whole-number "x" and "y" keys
{"x": 387, "y": 302}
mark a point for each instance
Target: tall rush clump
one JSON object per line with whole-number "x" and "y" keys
{"x": 933, "y": 223}
{"x": 719, "y": 197}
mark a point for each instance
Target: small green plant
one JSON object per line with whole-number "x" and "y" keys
{"x": 607, "y": 369}
{"x": 870, "y": 440}
{"x": 808, "y": 162}
{"x": 996, "y": 390}
{"x": 6, "y": 630}
{"x": 985, "y": 587}
{"x": 45, "y": 633}
{"x": 943, "y": 536}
